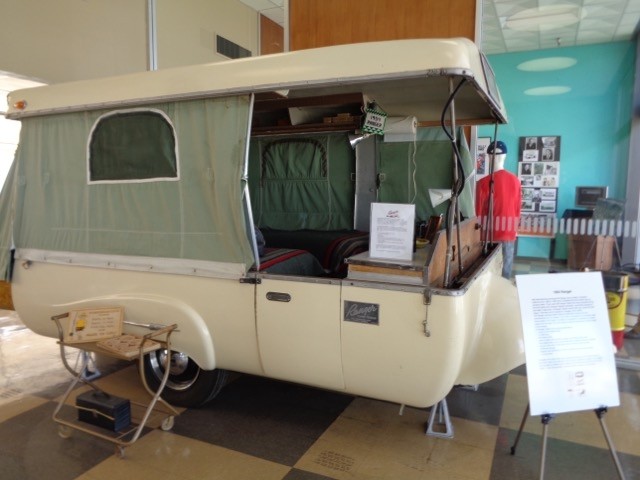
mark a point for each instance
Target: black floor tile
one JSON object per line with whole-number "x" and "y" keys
{"x": 521, "y": 370}
{"x": 31, "y": 449}
{"x": 272, "y": 420}
{"x": 564, "y": 460}
{"x": 632, "y": 346}
{"x": 296, "y": 474}
{"x": 481, "y": 405}
{"x": 628, "y": 381}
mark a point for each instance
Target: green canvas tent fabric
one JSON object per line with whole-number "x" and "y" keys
{"x": 194, "y": 218}
{"x": 409, "y": 169}
{"x": 302, "y": 182}
{"x": 7, "y": 212}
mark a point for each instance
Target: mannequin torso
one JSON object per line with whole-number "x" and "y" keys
{"x": 506, "y": 200}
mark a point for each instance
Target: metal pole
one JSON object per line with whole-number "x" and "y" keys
{"x": 456, "y": 176}
{"x": 600, "y": 414}
{"x": 517, "y": 440}
{"x": 488, "y": 233}
{"x": 453, "y": 206}
{"x": 152, "y": 47}
{"x": 545, "y": 424}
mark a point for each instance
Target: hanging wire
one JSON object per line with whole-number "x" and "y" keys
{"x": 457, "y": 187}
{"x": 415, "y": 169}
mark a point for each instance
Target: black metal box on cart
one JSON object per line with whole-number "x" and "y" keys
{"x": 104, "y": 410}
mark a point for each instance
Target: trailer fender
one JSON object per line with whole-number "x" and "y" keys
{"x": 191, "y": 337}
{"x": 495, "y": 345}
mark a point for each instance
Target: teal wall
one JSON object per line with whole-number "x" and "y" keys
{"x": 593, "y": 120}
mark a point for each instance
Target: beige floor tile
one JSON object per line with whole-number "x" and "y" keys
{"x": 116, "y": 468}
{"x": 170, "y": 456}
{"x": 580, "y": 427}
{"x": 127, "y": 383}
{"x": 370, "y": 440}
{"x": 17, "y": 405}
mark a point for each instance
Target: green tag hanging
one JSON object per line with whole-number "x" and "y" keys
{"x": 374, "y": 120}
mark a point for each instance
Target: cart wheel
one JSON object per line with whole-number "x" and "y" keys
{"x": 119, "y": 451}
{"x": 167, "y": 423}
{"x": 64, "y": 431}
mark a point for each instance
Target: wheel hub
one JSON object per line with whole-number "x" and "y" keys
{"x": 183, "y": 372}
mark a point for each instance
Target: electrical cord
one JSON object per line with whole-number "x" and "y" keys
{"x": 453, "y": 212}
{"x": 461, "y": 176}
{"x": 415, "y": 170}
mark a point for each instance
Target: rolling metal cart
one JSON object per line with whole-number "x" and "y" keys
{"x": 114, "y": 419}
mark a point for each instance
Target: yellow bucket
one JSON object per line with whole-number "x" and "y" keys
{"x": 616, "y": 285}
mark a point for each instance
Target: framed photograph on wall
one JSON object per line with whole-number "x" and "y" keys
{"x": 549, "y": 194}
{"x": 543, "y": 149}
{"x": 482, "y": 158}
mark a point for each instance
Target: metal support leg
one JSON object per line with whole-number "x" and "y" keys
{"x": 524, "y": 420}
{"x": 442, "y": 411}
{"x": 90, "y": 371}
{"x": 545, "y": 424}
{"x": 600, "y": 414}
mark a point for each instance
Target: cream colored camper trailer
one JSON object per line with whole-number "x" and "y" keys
{"x": 144, "y": 192}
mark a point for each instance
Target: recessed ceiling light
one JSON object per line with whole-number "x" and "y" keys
{"x": 547, "y": 64}
{"x": 550, "y": 90}
{"x": 547, "y": 17}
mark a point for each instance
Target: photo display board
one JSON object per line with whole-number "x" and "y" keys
{"x": 539, "y": 174}
{"x": 568, "y": 344}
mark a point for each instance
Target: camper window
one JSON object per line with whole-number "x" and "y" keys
{"x": 132, "y": 146}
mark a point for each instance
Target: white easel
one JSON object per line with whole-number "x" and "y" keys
{"x": 570, "y": 360}
{"x": 546, "y": 419}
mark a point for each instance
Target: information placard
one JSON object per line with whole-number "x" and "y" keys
{"x": 392, "y": 227}
{"x": 93, "y": 324}
{"x": 568, "y": 346}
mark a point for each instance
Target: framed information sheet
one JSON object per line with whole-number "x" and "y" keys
{"x": 392, "y": 227}
{"x": 568, "y": 344}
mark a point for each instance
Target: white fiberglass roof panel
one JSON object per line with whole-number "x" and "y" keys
{"x": 406, "y": 77}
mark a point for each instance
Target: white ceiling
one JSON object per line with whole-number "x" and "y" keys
{"x": 272, "y": 9}
{"x": 601, "y": 21}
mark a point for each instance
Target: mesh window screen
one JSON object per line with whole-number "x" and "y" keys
{"x": 130, "y": 146}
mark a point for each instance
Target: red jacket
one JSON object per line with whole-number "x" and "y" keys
{"x": 506, "y": 204}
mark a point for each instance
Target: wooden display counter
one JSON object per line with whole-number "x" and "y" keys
{"x": 363, "y": 267}
{"x": 590, "y": 251}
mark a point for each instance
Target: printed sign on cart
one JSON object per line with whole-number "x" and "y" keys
{"x": 93, "y": 324}
{"x": 568, "y": 344}
{"x": 392, "y": 227}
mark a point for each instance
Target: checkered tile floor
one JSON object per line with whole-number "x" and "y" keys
{"x": 263, "y": 429}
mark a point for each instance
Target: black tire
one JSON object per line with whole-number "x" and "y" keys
{"x": 188, "y": 385}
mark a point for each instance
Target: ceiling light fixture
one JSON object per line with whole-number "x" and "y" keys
{"x": 547, "y": 64}
{"x": 550, "y": 90}
{"x": 547, "y": 17}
